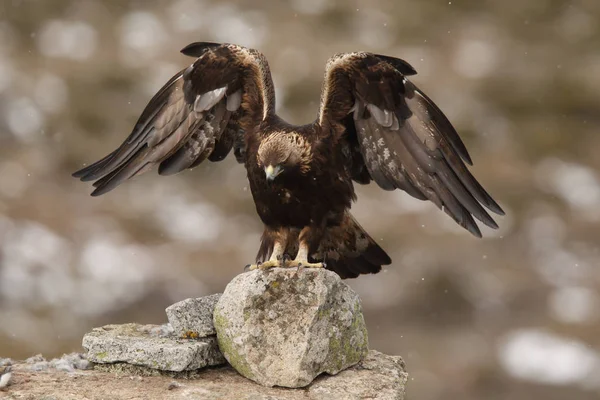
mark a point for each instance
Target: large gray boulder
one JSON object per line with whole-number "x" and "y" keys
{"x": 193, "y": 318}
{"x": 284, "y": 327}
{"x": 151, "y": 346}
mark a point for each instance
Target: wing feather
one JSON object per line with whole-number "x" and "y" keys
{"x": 224, "y": 143}
{"x": 419, "y": 102}
{"x": 371, "y": 157}
{"x": 404, "y": 139}
{"x": 201, "y": 112}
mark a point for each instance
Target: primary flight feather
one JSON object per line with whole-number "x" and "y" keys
{"x": 373, "y": 125}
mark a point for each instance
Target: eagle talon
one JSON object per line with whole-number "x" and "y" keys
{"x": 292, "y": 264}
{"x": 265, "y": 265}
{"x": 303, "y": 264}
{"x": 251, "y": 267}
{"x": 314, "y": 265}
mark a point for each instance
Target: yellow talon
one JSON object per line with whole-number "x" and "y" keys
{"x": 303, "y": 264}
{"x": 264, "y": 266}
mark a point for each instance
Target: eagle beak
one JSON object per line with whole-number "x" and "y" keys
{"x": 272, "y": 172}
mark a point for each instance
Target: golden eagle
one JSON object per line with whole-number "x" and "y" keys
{"x": 373, "y": 124}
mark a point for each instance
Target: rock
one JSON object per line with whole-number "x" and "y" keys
{"x": 35, "y": 359}
{"x": 378, "y": 376}
{"x": 164, "y": 330}
{"x": 283, "y": 327}
{"x": 67, "y": 363}
{"x": 73, "y": 361}
{"x": 173, "y": 385}
{"x": 40, "y": 366}
{"x": 386, "y": 379}
{"x": 140, "y": 345}
{"x": 5, "y": 376}
{"x": 62, "y": 365}
{"x": 193, "y": 318}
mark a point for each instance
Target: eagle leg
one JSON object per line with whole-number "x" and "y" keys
{"x": 301, "y": 260}
{"x": 275, "y": 261}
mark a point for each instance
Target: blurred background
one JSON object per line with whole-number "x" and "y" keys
{"x": 514, "y": 315}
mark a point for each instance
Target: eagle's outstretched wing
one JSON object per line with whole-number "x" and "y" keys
{"x": 395, "y": 135}
{"x": 202, "y": 112}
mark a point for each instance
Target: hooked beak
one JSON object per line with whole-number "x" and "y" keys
{"x": 271, "y": 172}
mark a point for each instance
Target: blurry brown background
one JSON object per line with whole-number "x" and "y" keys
{"x": 515, "y": 315}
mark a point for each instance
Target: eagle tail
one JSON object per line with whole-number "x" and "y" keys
{"x": 352, "y": 251}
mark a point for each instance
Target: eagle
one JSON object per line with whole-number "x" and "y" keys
{"x": 373, "y": 124}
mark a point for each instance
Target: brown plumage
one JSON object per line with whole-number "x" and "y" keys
{"x": 373, "y": 125}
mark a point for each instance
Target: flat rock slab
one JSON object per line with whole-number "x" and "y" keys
{"x": 150, "y": 346}
{"x": 378, "y": 376}
{"x": 284, "y": 327}
{"x": 193, "y": 318}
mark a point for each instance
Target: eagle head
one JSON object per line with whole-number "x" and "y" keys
{"x": 283, "y": 152}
